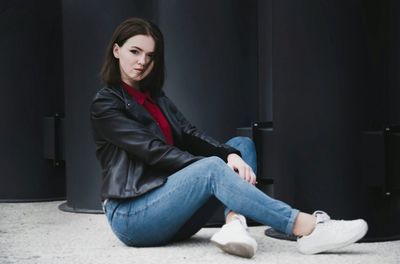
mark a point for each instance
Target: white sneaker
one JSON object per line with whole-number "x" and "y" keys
{"x": 234, "y": 239}
{"x": 331, "y": 234}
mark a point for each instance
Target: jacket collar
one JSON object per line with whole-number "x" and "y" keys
{"x": 139, "y": 111}
{"x": 139, "y": 96}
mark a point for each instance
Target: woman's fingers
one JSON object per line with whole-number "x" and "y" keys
{"x": 241, "y": 168}
{"x": 249, "y": 175}
{"x": 246, "y": 173}
{"x": 253, "y": 178}
{"x": 241, "y": 172}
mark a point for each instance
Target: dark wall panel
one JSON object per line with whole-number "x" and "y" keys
{"x": 393, "y": 62}
{"x": 32, "y": 88}
{"x": 320, "y": 79}
{"x": 265, "y": 70}
{"x": 211, "y": 58}
{"x": 335, "y": 90}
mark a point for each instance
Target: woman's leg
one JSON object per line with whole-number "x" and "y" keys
{"x": 305, "y": 223}
{"x": 198, "y": 220}
{"x": 248, "y": 152}
{"x": 154, "y": 218}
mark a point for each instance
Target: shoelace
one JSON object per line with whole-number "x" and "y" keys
{"x": 324, "y": 218}
{"x": 321, "y": 216}
{"x": 242, "y": 220}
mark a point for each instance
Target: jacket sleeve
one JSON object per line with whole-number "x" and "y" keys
{"x": 112, "y": 124}
{"x": 198, "y": 142}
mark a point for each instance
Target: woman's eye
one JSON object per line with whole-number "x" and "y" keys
{"x": 135, "y": 52}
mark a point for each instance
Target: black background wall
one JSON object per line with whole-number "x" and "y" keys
{"x": 391, "y": 60}
{"x": 334, "y": 82}
{"x": 320, "y": 65}
{"x": 211, "y": 58}
{"x": 31, "y": 83}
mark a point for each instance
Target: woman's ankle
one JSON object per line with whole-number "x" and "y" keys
{"x": 304, "y": 224}
{"x": 229, "y": 217}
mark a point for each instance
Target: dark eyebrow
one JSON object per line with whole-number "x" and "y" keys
{"x": 136, "y": 48}
{"x": 152, "y": 52}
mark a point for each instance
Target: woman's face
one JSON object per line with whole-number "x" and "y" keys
{"x": 135, "y": 58}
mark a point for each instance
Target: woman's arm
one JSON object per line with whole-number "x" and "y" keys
{"x": 113, "y": 125}
{"x": 198, "y": 142}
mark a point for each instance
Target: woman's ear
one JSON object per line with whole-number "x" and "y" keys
{"x": 116, "y": 50}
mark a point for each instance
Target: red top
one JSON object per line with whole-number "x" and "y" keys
{"x": 144, "y": 99}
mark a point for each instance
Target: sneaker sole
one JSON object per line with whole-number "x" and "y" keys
{"x": 328, "y": 247}
{"x": 237, "y": 249}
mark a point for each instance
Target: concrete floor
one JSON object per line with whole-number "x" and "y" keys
{"x": 40, "y": 233}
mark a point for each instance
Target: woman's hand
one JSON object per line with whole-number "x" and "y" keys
{"x": 241, "y": 168}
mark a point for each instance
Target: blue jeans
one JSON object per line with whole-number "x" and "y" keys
{"x": 180, "y": 207}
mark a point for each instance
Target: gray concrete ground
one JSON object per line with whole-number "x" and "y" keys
{"x": 40, "y": 233}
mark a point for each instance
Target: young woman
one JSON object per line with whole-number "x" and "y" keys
{"x": 163, "y": 178}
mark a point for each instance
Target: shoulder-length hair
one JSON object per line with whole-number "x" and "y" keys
{"x": 110, "y": 72}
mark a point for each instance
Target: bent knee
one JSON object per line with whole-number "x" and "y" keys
{"x": 242, "y": 144}
{"x": 213, "y": 161}
{"x": 237, "y": 141}
{"x": 246, "y": 141}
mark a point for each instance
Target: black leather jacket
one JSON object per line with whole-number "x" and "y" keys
{"x": 131, "y": 147}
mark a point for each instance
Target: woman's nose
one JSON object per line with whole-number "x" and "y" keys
{"x": 142, "y": 60}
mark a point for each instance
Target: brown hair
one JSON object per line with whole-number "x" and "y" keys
{"x": 110, "y": 72}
